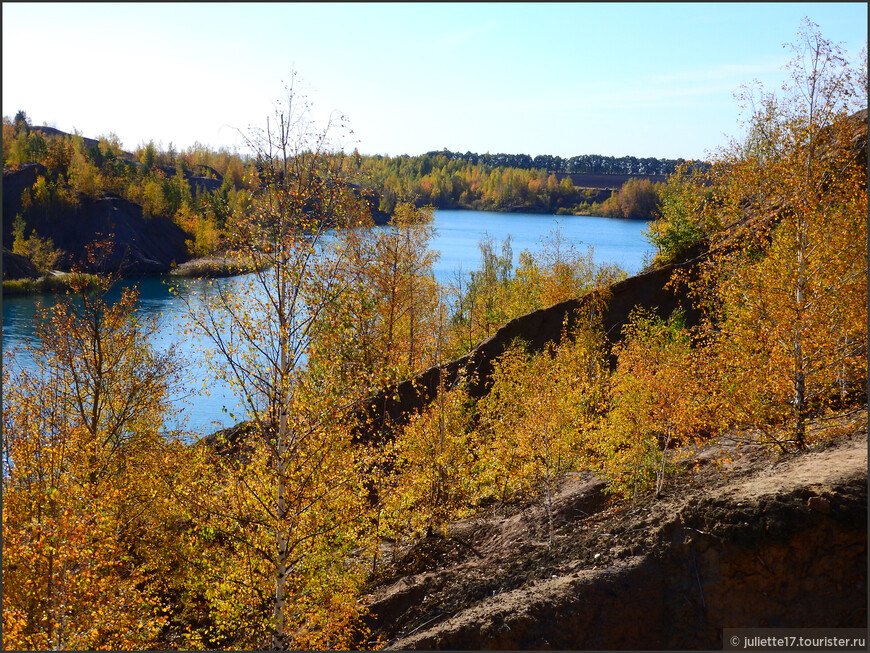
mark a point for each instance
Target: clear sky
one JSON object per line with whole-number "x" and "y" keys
{"x": 638, "y": 79}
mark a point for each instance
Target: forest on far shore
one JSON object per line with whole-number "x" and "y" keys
{"x": 198, "y": 188}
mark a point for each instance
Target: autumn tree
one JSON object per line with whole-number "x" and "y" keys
{"x": 84, "y": 175}
{"x": 382, "y": 327}
{"x": 659, "y": 404}
{"x": 58, "y": 157}
{"x": 498, "y": 292}
{"x": 478, "y": 308}
{"x": 260, "y": 326}
{"x": 40, "y": 251}
{"x": 433, "y": 472}
{"x": 637, "y": 198}
{"x": 790, "y": 263}
{"x": 147, "y": 155}
{"x": 83, "y": 434}
{"x": 540, "y": 415}
{"x": 558, "y": 271}
{"x": 686, "y": 217}
{"x": 409, "y": 287}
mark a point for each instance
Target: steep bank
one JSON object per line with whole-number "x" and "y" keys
{"x": 650, "y": 290}
{"x": 17, "y": 267}
{"x": 143, "y": 245}
{"x": 771, "y": 540}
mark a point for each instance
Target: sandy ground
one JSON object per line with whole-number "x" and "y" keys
{"x": 493, "y": 582}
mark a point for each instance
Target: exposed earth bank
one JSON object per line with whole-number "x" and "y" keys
{"x": 143, "y": 245}
{"x": 769, "y": 540}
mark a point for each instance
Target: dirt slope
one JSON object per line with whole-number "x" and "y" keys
{"x": 777, "y": 540}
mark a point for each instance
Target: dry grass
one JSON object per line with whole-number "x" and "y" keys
{"x": 57, "y": 283}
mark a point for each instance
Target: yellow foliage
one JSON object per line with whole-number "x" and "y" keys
{"x": 540, "y": 414}
{"x": 433, "y": 463}
{"x": 658, "y": 401}
{"x": 206, "y": 235}
{"x": 384, "y": 323}
{"x": 84, "y": 176}
{"x": 498, "y": 292}
{"x": 81, "y": 445}
{"x": 789, "y": 275}
{"x": 39, "y": 251}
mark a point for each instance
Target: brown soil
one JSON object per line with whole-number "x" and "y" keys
{"x": 768, "y": 540}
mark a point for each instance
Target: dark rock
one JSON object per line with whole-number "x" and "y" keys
{"x": 203, "y": 184}
{"x": 231, "y": 441}
{"x": 14, "y": 183}
{"x": 54, "y": 131}
{"x": 819, "y": 504}
{"x": 142, "y": 245}
{"x": 18, "y": 267}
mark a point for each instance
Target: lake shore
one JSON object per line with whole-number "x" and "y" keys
{"x": 55, "y": 281}
{"x": 59, "y": 281}
{"x": 216, "y": 267}
{"x": 211, "y": 267}
{"x": 457, "y": 238}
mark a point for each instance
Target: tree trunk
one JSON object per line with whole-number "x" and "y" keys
{"x": 548, "y": 502}
{"x": 281, "y": 535}
{"x": 799, "y": 373}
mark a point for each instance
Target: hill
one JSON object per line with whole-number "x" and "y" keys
{"x": 741, "y": 546}
{"x": 743, "y": 535}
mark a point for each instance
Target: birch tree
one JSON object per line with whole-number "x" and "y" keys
{"x": 790, "y": 263}
{"x": 82, "y": 436}
{"x": 260, "y": 327}
{"x": 383, "y": 326}
{"x": 539, "y": 417}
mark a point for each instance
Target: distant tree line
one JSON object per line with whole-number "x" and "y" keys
{"x": 448, "y": 180}
{"x": 584, "y": 163}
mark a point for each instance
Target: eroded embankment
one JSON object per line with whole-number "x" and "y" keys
{"x": 778, "y": 541}
{"x": 651, "y": 290}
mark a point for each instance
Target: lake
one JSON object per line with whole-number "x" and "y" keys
{"x": 613, "y": 240}
{"x": 458, "y": 232}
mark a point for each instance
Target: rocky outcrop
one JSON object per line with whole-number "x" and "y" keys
{"x": 45, "y": 130}
{"x": 200, "y": 185}
{"x": 142, "y": 245}
{"x": 14, "y": 183}
{"x": 18, "y": 267}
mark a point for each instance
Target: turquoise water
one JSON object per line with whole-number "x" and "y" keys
{"x": 193, "y": 408}
{"x": 458, "y": 233}
{"x": 613, "y": 240}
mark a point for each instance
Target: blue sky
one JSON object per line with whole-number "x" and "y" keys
{"x": 641, "y": 79}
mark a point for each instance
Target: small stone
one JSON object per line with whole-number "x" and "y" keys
{"x": 820, "y": 504}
